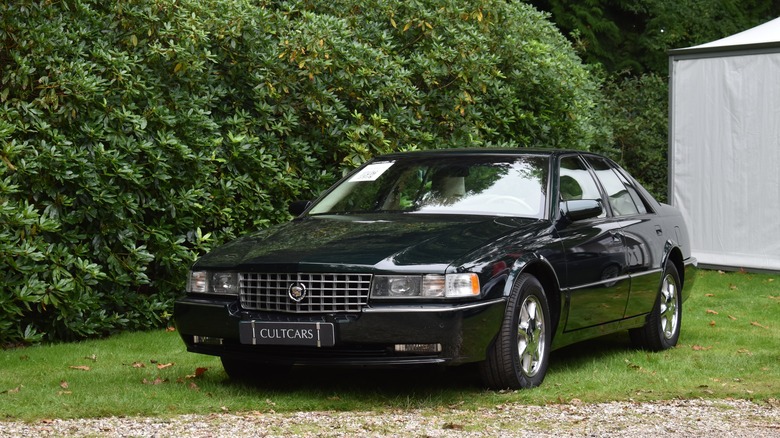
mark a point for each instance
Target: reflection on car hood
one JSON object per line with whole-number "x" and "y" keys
{"x": 381, "y": 242}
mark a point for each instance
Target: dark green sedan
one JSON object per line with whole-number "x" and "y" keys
{"x": 494, "y": 256}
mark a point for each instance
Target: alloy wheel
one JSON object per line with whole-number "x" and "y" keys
{"x": 530, "y": 336}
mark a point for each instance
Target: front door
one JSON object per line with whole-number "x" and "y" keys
{"x": 596, "y": 280}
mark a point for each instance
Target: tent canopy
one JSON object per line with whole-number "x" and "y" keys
{"x": 724, "y": 147}
{"x": 766, "y": 35}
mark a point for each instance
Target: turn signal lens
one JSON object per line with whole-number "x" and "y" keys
{"x": 462, "y": 285}
{"x": 197, "y": 283}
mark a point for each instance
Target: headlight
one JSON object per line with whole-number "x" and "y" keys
{"x": 221, "y": 283}
{"x": 224, "y": 283}
{"x": 425, "y": 286}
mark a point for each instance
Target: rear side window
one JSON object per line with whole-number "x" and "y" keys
{"x": 622, "y": 196}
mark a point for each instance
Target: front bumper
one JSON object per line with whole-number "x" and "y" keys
{"x": 456, "y": 333}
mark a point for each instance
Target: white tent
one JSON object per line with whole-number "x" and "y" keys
{"x": 724, "y": 147}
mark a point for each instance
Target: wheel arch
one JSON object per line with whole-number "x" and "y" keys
{"x": 543, "y": 271}
{"x": 675, "y": 255}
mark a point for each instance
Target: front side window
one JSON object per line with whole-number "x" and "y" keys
{"x": 576, "y": 181}
{"x": 482, "y": 185}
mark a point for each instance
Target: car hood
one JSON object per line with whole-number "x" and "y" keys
{"x": 394, "y": 242}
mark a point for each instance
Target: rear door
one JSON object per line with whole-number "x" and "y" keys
{"x": 640, "y": 230}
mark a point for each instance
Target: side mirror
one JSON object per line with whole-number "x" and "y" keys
{"x": 296, "y": 208}
{"x": 581, "y": 209}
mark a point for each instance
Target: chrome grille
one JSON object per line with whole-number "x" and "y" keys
{"x": 325, "y": 293}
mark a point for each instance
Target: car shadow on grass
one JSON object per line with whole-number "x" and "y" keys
{"x": 421, "y": 379}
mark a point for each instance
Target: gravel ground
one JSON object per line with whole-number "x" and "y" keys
{"x": 690, "y": 418}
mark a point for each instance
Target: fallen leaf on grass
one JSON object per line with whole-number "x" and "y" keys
{"x": 162, "y": 366}
{"x": 744, "y": 351}
{"x": 632, "y": 365}
{"x": 709, "y": 295}
{"x": 12, "y": 391}
{"x": 93, "y": 358}
{"x": 194, "y": 387}
{"x": 156, "y": 381}
{"x": 80, "y": 367}
{"x": 64, "y": 384}
{"x": 138, "y": 365}
{"x": 733, "y": 286}
{"x": 712, "y": 323}
{"x": 170, "y": 329}
{"x": 758, "y": 324}
{"x": 700, "y": 348}
{"x": 198, "y": 372}
{"x": 711, "y": 312}
{"x": 733, "y": 318}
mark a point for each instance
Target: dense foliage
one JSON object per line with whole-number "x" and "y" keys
{"x": 634, "y": 36}
{"x": 639, "y": 116}
{"x": 135, "y": 134}
{"x": 630, "y": 40}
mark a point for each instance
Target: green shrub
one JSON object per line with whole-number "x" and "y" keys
{"x": 136, "y": 134}
{"x": 640, "y": 117}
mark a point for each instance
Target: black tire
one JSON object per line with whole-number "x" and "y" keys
{"x": 519, "y": 355}
{"x": 249, "y": 371}
{"x": 662, "y": 329}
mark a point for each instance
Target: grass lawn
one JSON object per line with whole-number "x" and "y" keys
{"x": 729, "y": 348}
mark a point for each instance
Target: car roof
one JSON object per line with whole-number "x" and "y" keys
{"x": 481, "y": 152}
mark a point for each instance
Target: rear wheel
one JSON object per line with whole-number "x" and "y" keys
{"x": 662, "y": 329}
{"x": 519, "y": 355}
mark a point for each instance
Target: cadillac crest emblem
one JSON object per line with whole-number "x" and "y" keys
{"x": 297, "y": 292}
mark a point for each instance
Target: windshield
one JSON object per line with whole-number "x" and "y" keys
{"x": 482, "y": 185}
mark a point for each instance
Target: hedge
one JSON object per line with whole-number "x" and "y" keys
{"x": 134, "y": 135}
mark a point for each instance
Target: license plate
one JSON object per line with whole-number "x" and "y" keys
{"x": 310, "y": 334}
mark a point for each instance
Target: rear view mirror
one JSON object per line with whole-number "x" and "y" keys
{"x": 581, "y": 209}
{"x": 296, "y": 208}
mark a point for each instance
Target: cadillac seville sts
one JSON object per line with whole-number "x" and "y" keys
{"x": 492, "y": 256}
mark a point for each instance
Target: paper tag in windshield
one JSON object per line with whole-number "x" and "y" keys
{"x": 372, "y": 172}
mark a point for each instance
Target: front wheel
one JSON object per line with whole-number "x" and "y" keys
{"x": 519, "y": 355}
{"x": 662, "y": 329}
